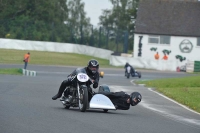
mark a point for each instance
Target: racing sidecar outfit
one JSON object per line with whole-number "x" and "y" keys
{"x": 132, "y": 69}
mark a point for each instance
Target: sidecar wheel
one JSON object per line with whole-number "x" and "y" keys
{"x": 105, "y": 110}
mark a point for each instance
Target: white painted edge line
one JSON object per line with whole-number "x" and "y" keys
{"x": 132, "y": 81}
{"x": 174, "y": 101}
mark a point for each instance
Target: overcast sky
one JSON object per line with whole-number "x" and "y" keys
{"x": 94, "y": 9}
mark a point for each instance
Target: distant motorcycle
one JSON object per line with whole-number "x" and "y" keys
{"x": 133, "y": 74}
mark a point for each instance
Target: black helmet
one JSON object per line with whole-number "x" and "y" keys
{"x": 135, "y": 98}
{"x": 93, "y": 66}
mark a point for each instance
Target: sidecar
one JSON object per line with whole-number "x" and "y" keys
{"x": 100, "y": 101}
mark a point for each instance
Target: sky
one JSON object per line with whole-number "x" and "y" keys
{"x": 94, "y": 8}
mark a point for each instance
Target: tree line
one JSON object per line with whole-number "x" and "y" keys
{"x": 67, "y": 21}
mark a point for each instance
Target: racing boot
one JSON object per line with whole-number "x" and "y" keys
{"x": 63, "y": 85}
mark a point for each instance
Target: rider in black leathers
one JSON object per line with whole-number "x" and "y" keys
{"x": 132, "y": 69}
{"x": 91, "y": 70}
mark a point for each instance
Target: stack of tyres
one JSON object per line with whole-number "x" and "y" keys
{"x": 197, "y": 66}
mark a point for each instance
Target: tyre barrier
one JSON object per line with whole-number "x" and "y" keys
{"x": 193, "y": 66}
{"x": 26, "y": 72}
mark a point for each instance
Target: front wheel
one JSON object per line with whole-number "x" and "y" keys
{"x": 128, "y": 75}
{"x": 83, "y": 98}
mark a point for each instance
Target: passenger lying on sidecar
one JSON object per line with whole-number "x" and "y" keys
{"x": 121, "y": 100}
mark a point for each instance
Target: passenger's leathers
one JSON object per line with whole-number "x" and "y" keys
{"x": 119, "y": 99}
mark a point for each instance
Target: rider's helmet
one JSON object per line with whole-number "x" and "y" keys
{"x": 135, "y": 98}
{"x": 93, "y": 66}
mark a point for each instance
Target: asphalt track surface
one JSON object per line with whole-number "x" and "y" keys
{"x": 26, "y": 106}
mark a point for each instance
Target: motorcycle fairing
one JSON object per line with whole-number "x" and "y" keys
{"x": 100, "y": 101}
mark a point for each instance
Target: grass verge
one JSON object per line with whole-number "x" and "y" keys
{"x": 183, "y": 90}
{"x": 11, "y": 71}
{"x": 49, "y": 58}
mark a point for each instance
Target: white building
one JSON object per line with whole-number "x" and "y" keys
{"x": 168, "y": 26}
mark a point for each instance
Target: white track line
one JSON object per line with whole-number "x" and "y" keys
{"x": 132, "y": 81}
{"x": 174, "y": 101}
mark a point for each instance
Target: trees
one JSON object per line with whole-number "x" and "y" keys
{"x": 66, "y": 21}
{"x": 78, "y": 22}
{"x": 42, "y": 20}
{"x": 120, "y": 18}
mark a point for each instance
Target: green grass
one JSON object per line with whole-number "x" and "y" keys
{"x": 11, "y": 71}
{"x": 49, "y": 58}
{"x": 184, "y": 90}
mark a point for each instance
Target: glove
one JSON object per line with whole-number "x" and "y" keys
{"x": 95, "y": 84}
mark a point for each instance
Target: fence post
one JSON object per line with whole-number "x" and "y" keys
{"x": 81, "y": 41}
{"x": 92, "y": 38}
{"x": 107, "y": 38}
{"x": 52, "y": 34}
{"x": 99, "y": 37}
{"x": 126, "y": 42}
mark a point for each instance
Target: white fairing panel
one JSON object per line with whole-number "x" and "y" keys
{"x": 128, "y": 69}
{"x": 82, "y": 77}
{"x": 100, "y": 101}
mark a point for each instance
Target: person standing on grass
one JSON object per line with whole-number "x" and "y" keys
{"x": 26, "y": 59}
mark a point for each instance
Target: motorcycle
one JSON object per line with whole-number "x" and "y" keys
{"x": 77, "y": 95}
{"x": 133, "y": 74}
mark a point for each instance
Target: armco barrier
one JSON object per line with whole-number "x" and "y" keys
{"x": 29, "y": 72}
{"x": 193, "y": 66}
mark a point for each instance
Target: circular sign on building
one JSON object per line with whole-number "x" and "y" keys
{"x": 186, "y": 46}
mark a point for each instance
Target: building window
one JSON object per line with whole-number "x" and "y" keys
{"x": 153, "y": 39}
{"x": 159, "y": 39}
{"x": 164, "y": 39}
{"x": 198, "y": 41}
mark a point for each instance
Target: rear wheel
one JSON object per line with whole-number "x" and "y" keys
{"x": 83, "y": 99}
{"x": 65, "y": 104}
{"x": 139, "y": 74}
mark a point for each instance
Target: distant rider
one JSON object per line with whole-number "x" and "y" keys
{"x": 91, "y": 70}
{"x": 132, "y": 69}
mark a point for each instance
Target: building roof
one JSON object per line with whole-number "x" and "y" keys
{"x": 166, "y": 17}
